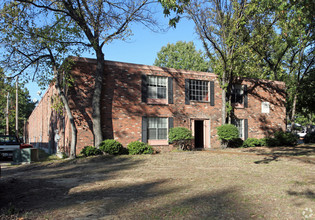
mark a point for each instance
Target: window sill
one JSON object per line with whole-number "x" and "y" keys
{"x": 157, "y": 101}
{"x": 157, "y": 142}
{"x": 194, "y": 101}
{"x": 238, "y": 105}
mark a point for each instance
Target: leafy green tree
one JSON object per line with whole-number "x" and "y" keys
{"x": 262, "y": 39}
{"x": 282, "y": 37}
{"x": 279, "y": 33}
{"x": 26, "y": 106}
{"x": 182, "y": 55}
{"x": 30, "y": 44}
{"x": 306, "y": 100}
{"x": 220, "y": 25}
{"x": 101, "y": 22}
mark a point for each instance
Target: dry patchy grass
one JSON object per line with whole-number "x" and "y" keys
{"x": 178, "y": 185}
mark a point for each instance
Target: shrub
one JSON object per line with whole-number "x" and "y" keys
{"x": 263, "y": 141}
{"x": 286, "y": 138}
{"x": 235, "y": 143}
{"x": 90, "y": 151}
{"x": 181, "y": 137}
{"x": 273, "y": 142}
{"x": 252, "y": 142}
{"x": 112, "y": 147}
{"x": 309, "y": 138}
{"x": 137, "y": 147}
{"x": 280, "y": 139}
{"x": 269, "y": 142}
{"x": 179, "y": 133}
{"x": 227, "y": 133}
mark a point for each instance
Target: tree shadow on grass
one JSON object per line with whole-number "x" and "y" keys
{"x": 267, "y": 160}
{"x": 84, "y": 203}
{"x": 152, "y": 200}
{"x": 31, "y": 186}
{"x": 216, "y": 204}
{"x": 303, "y": 153}
{"x": 309, "y": 194}
{"x": 92, "y": 190}
{"x": 69, "y": 166}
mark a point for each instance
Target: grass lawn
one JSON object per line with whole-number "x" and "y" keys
{"x": 233, "y": 184}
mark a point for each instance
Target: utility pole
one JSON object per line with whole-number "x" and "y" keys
{"x": 7, "y": 115}
{"x": 17, "y": 107}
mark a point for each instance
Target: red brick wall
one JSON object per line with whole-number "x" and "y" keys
{"x": 43, "y": 123}
{"x": 123, "y": 90}
{"x": 264, "y": 124}
{"x": 122, "y": 108}
{"x": 80, "y": 100}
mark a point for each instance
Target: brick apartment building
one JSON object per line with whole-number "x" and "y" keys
{"x": 141, "y": 102}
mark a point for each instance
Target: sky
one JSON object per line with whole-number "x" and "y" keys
{"x": 141, "y": 48}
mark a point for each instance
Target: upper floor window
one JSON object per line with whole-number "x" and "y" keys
{"x": 157, "y": 87}
{"x": 199, "y": 90}
{"x": 239, "y": 96}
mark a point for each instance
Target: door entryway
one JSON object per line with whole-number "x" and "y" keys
{"x": 199, "y": 134}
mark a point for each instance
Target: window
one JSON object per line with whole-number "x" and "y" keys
{"x": 157, "y": 128}
{"x": 239, "y": 123}
{"x": 242, "y": 126}
{"x": 154, "y": 130}
{"x": 157, "y": 87}
{"x": 265, "y": 107}
{"x": 199, "y": 90}
{"x": 239, "y": 96}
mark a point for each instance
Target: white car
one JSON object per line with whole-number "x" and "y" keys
{"x": 301, "y": 134}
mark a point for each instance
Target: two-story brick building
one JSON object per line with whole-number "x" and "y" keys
{"x": 141, "y": 102}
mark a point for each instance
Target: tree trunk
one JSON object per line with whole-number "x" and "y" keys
{"x": 223, "y": 115}
{"x": 7, "y": 132}
{"x": 231, "y": 111}
{"x": 223, "y": 145}
{"x": 223, "y": 106}
{"x": 293, "y": 112}
{"x": 69, "y": 114}
{"x": 96, "y": 101}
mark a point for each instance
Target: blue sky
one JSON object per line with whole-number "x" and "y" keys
{"x": 142, "y": 48}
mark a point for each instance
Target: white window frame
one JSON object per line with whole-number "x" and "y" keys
{"x": 239, "y": 123}
{"x": 154, "y": 83}
{"x": 197, "y": 95}
{"x": 153, "y": 123}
